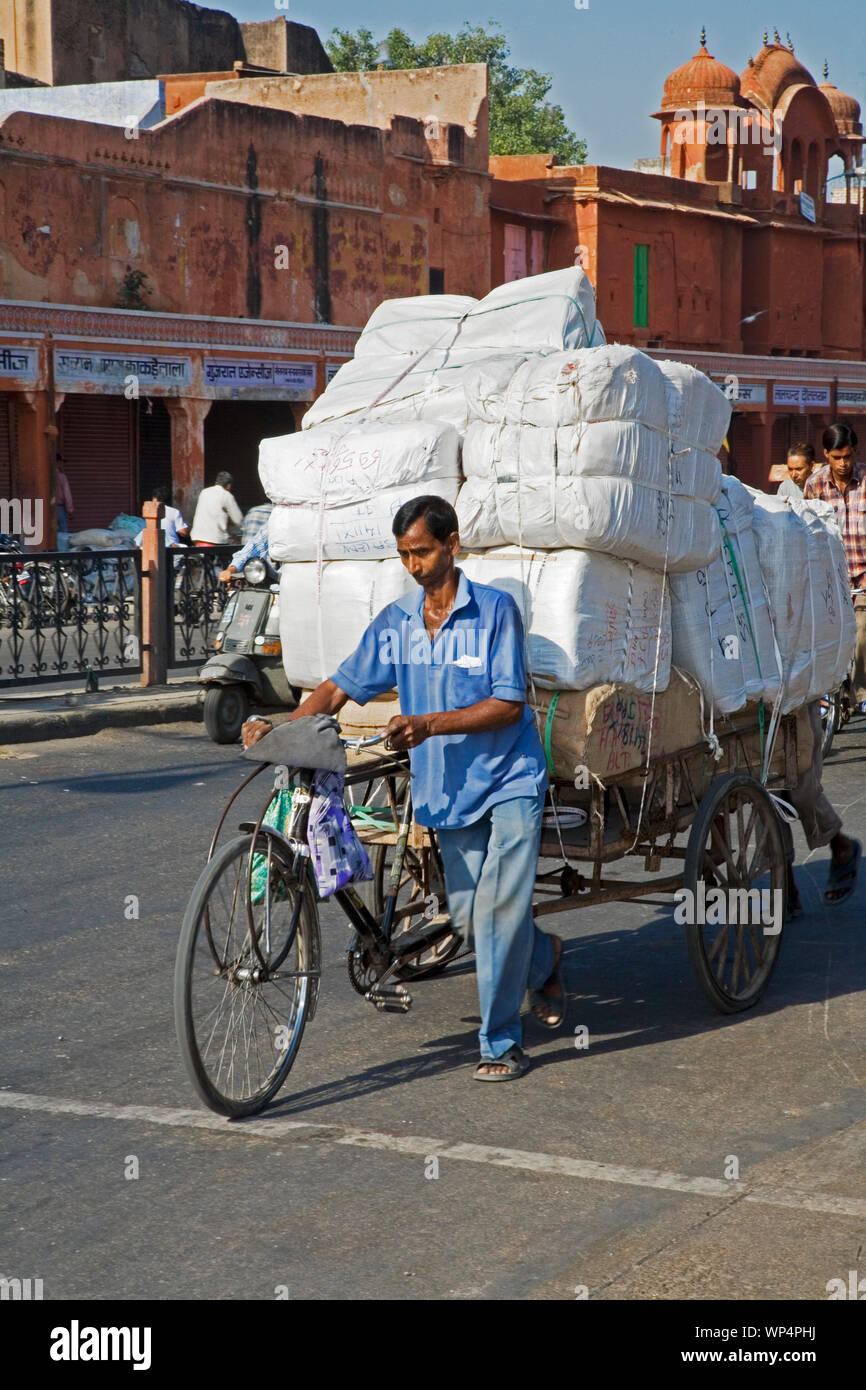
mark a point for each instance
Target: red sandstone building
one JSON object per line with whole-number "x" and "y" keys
{"x": 265, "y": 230}
{"x": 269, "y": 204}
{"x": 730, "y": 256}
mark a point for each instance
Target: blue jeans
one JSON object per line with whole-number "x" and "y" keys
{"x": 490, "y": 877}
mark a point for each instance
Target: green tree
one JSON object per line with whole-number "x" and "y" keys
{"x": 522, "y": 121}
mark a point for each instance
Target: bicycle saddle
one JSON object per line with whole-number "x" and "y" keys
{"x": 312, "y": 741}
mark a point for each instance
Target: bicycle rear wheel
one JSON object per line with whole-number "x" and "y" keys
{"x": 246, "y": 976}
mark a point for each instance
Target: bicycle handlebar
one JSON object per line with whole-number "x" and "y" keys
{"x": 364, "y": 741}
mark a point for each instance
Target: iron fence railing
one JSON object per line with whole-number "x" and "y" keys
{"x": 67, "y": 614}
{"x": 195, "y": 601}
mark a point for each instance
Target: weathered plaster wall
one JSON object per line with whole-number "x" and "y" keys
{"x": 235, "y": 210}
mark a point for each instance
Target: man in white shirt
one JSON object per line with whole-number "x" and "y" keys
{"x": 215, "y": 513}
{"x": 173, "y": 524}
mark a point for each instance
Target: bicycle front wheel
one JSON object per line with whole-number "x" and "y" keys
{"x": 246, "y": 975}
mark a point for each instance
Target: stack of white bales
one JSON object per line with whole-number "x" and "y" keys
{"x": 335, "y": 490}
{"x": 599, "y": 460}
{"x": 589, "y": 618}
{"x": 722, "y": 627}
{"x": 771, "y": 611}
{"x": 803, "y": 563}
{"x": 602, "y": 449}
{"x": 414, "y": 355}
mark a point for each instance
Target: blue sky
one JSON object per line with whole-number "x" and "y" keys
{"x": 609, "y": 61}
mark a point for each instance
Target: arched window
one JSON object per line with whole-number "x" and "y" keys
{"x": 836, "y": 185}
{"x": 814, "y": 175}
{"x": 794, "y": 175}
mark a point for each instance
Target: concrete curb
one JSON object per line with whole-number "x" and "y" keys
{"x": 118, "y": 712}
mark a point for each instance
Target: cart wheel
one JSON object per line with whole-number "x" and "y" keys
{"x": 735, "y": 843}
{"x": 831, "y": 719}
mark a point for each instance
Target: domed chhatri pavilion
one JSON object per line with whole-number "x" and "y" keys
{"x": 741, "y": 249}
{"x": 773, "y": 129}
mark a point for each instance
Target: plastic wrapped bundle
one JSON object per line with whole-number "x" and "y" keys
{"x": 699, "y": 412}
{"x": 409, "y": 326}
{"x": 589, "y": 618}
{"x": 619, "y": 516}
{"x": 604, "y": 449}
{"x": 614, "y": 382}
{"x": 429, "y": 385}
{"x": 721, "y": 625}
{"x": 340, "y": 489}
{"x": 803, "y": 564}
{"x": 577, "y": 449}
{"x": 538, "y": 313}
{"x": 411, "y": 360}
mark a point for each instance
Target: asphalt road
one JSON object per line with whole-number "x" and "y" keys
{"x": 605, "y": 1171}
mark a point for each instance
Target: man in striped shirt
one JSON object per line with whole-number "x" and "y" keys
{"x": 842, "y": 482}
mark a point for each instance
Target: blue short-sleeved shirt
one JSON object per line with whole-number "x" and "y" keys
{"x": 478, "y": 652}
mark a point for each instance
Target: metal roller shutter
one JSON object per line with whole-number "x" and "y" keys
{"x": 741, "y": 440}
{"x": 97, "y": 441}
{"x": 5, "y": 447}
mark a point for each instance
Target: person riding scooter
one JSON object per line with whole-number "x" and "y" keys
{"x": 247, "y": 665}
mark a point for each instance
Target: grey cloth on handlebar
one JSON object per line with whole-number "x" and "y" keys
{"x": 311, "y": 741}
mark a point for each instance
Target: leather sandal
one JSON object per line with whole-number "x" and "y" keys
{"x": 515, "y": 1059}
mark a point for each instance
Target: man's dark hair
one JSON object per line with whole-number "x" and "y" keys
{"x": 224, "y": 479}
{"x": 160, "y": 494}
{"x": 438, "y": 516}
{"x": 838, "y": 437}
{"x": 802, "y": 451}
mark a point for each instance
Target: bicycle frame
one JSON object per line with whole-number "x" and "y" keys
{"x": 374, "y": 932}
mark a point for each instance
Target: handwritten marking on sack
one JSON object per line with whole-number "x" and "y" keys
{"x": 626, "y": 724}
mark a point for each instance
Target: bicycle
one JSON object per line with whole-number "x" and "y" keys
{"x": 838, "y": 706}
{"x": 249, "y": 956}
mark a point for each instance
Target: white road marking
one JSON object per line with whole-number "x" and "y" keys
{"x": 555, "y": 1165}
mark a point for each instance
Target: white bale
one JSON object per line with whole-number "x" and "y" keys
{"x": 540, "y": 312}
{"x": 340, "y": 489}
{"x": 614, "y": 382}
{"x": 619, "y": 516}
{"x": 803, "y": 564}
{"x": 699, "y": 411}
{"x": 336, "y": 465}
{"x": 590, "y": 618}
{"x": 410, "y": 326}
{"x": 391, "y": 388}
{"x": 721, "y": 625}
{"x": 354, "y": 531}
{"x": 350, "y": 595}
{"x": 620, "y": 448}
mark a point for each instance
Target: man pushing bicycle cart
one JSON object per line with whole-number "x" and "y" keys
{"x": 456, "y": 655}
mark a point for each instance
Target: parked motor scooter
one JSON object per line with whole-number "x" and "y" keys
{"x": 247, "y": 665}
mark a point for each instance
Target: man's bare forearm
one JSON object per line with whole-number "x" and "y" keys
{"x": 491, "y": 713}
{"x": 327, "y": 698}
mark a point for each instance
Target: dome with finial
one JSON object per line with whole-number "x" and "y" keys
{"x": 846, "y": 110}
{"x": 774, "y": 69}
{"x": 702, "y": 78}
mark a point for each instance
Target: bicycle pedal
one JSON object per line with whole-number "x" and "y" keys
{"x": 390, "y": 999}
